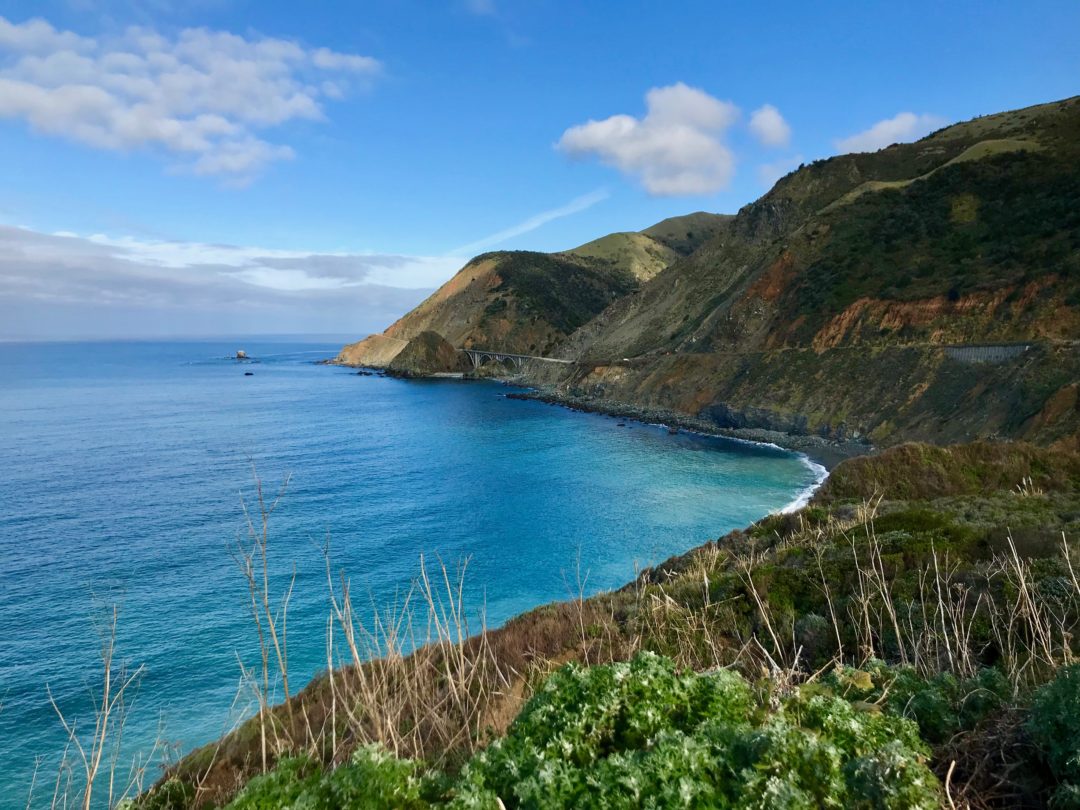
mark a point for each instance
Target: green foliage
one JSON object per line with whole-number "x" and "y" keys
{"x": 644, "y": 734}
{"x": 566, "y": 293}
{"x": 372, "y": 780}
{"x": 1020, "y": 220}
{"x": 941, "y": 706}
{"x": 1054, "y": 725}
{"x": 281, "y": 787}
{"x": 171, "y": 794}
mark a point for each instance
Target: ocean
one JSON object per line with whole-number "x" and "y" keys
{"x": 124, "y": 465}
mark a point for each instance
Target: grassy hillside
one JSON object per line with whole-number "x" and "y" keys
{"x": 514, "y": 301}
{"x": 827, "y": 302}
{"x": 687, "y": 233}
{"x": 905, "y": 635}
{"x": 518, "y": 301}
{"x": 642, "y": 255}
{"x": 525, "y": 302}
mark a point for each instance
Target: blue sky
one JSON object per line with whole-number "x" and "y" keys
{"x": 232, "y": 166}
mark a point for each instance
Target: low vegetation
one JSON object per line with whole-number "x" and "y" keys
{"x": 566, "y": 294}
{"x": 1003, "y": 222}
{"x": 643, "y": 733}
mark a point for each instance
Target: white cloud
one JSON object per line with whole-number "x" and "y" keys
{"x": 274, "y": 269}
{"x": 35, "y": 36}
{"x": 901, "y": 128}
{"x": 769, "y": 173}
{"x": 769, "y": 126}
{"x": 674, "y": 149}
{"x": 533, "y": 222}
{"x": 330, "y": 60}
{"x": 58, "y": 285}
{"x": 199, "y": 97}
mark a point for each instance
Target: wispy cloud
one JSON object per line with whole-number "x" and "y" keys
{"x": 57, "y": 285}
{"x": 532, "y": 223}
{"x": 480, "y": 7}
{"x": 199, "y": 97}
{"x": 901, "y": 128}
{"x": 676, "y": 148}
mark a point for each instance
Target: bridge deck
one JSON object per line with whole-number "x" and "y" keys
{"x": 478, "y": 356}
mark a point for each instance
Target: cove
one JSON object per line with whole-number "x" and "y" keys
{"x": 123, "y": 469}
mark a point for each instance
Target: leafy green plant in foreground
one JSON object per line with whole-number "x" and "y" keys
{"x": 643, "y": 734}
{"x": 373, "y": 778}
{"x": 941, "y": 705}
{"x": 1054, "y": 725}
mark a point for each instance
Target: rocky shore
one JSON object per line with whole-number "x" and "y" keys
{"x": 826, "y": 452}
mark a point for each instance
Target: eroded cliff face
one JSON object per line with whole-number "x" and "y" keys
{"x": 879, "y": 396}
{"x": 374, "y": 351}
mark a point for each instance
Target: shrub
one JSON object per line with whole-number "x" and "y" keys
{"x": 171, "y": 794}
{"x": 1054, "y": 726}
{"x": 373, "y": 779}
{"x": 941, "y": 706}
{"x": 643, "y": 733}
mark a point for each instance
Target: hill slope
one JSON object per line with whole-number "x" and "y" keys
{"x": 525, "y": 302}
{"x": 826, "y": 306}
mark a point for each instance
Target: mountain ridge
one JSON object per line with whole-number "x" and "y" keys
{"x": 827, "y": 307}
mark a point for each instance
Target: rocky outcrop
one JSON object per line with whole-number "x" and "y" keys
{"x": 427, "y": 354}
{"x": 374, "y": 351}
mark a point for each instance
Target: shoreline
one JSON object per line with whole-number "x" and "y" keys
{"x": 819, "y": 452}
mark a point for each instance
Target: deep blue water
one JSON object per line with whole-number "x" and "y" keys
{"x": 121, "y": 472}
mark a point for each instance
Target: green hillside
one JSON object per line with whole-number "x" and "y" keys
{"x": 824, "y": 307}
{"x": 524, "y": 302}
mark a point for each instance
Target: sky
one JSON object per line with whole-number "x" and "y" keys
{"x": 195, "y": 168}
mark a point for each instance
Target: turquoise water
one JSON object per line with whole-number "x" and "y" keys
{"x": 122, "y": 468}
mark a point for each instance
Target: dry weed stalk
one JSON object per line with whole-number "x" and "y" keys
{"x": 269, "y": 613}
{"x": 103, "y": 747}
{"x": 423, "y": 686}
{"x": 941, "y": 627}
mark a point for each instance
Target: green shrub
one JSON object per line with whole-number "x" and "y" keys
{"x": 373, "y": 779}
{"x": 281, "y": 787}
{"x": 644, "y": 734}
{"x": 1054, "y": 725}
{"x": 941, "y": 706}
{"x": 169, "y": 795}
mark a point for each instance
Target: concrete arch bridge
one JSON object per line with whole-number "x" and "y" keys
{"x": 479, "y": 357}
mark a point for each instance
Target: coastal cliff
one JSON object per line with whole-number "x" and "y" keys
{"x": 927, "y": 291}
{"x": 523, "y": 302}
